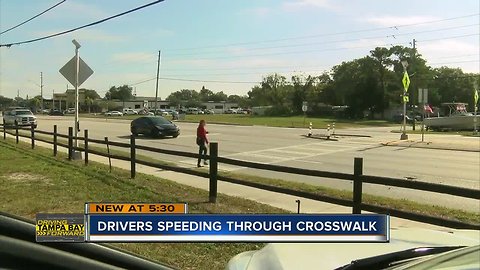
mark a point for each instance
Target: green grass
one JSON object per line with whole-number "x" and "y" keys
{"x": 287, "y": 121}
{"x": 33, "y": 181}
{"x": 249, "y": 120}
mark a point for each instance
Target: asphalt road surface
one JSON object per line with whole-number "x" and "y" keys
{"x": 289, "y": 147}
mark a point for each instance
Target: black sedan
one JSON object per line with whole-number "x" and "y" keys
{"x": 56, "y": 112}
{"x": 155, "y": 126}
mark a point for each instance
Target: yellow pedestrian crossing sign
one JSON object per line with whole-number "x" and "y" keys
{"x": 406, "y": 81}
{"x": 405, "y": 99}
{"x": 475, "y": 97}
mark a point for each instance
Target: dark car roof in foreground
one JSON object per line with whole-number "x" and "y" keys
{"x": 21, "y": 233}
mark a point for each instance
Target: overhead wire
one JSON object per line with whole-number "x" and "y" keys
{"x": 83, "y": 26}
{"x": 337, "y": 41}
{"x": 327, "y": 34}
{"x": 38, "y": 15}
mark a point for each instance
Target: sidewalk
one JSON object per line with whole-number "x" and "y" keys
{"x": 274, "y": 199}
{"x": 441, "y": 142}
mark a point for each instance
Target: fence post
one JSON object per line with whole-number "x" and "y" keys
{"x": 16, "y": 133}
{"x": 85, "y": 145}
{"x": 4, "y": 132}
{"x": 54, "y": 140}
{"x": 357, "y": 185}
{"x": 132, "y": 156}
{"x": 213, "y": 172}
{"x": 32, "y": 136}
{"x": 108, "y": 154}
{"x": 70, "y": 143}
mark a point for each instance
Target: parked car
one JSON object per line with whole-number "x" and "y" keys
{"x": 114, "y": 113}
{"x": 155, "y": 126}
{"x": 231, "y": 111}
{"x": 192, "y": 111}
{"x": 209, "y": 111}
{"x": 56, "y": 112}
{"x": 242, "y": 111}
{"x": 19, "y": 117}
{"x": 129, "y": 112}
{"x": 70, "y": 111}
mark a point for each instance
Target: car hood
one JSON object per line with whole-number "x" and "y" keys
{"x": 25, "y": 115}
{"x": 332, "y": 255}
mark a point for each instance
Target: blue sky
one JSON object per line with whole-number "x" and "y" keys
{"x": 227, "y": 45}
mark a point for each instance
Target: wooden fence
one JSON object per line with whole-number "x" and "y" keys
{"x": 357, "y": 177}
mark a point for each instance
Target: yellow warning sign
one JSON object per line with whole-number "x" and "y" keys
{"x": 405, "y": 99}
{"x": 406, "y": 81}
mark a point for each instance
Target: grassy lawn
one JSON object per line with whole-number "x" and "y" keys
{"x": 33, "y": 181}
{"x": 287, "y": 121}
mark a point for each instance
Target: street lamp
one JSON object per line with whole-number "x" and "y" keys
{"x": 404, "y": 135}
{"x": 77, "y": 123}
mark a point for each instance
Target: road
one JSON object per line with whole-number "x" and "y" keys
{"x": 287, "y": 146}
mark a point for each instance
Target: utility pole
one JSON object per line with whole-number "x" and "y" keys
{"x": 156, "y": 88}
{"x": 415, "y": 73}
{"x": 41, "y": 89}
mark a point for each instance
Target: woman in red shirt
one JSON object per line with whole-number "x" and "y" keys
{"x": 202, "y": 143}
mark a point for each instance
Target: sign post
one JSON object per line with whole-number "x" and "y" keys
{"x": 423, "y": 99}
{"x": 76, "y": 72}
{"x": 475, "y": 103}
{"x": 304, "y": 109}
{"x": 406, "y": 84}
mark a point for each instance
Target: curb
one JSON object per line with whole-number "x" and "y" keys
{"x": 429, "y": 147}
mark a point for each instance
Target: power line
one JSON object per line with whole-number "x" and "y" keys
{"x": 20, "y": 24}
{"x": 187, "y": 80}
{"x": 329, "y": 49}
{"x": 328, "y": 34}
{"x": 338, "y": 41}
{"x": 84, "y": 26}
{"x": 455, "y": 62}
{"x": 451, "y": 37}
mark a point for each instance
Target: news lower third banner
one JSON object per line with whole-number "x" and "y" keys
{"x": 60, "y": 228}
{"x": 237, "y": 228}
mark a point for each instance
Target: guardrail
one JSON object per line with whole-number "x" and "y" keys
{"x": 357, "y": 177}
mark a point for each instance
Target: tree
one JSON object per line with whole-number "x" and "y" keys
{"x": 451, "y": 85}
{"x": 382, "y": 57}
{"x": 92, "y": 94}
{"x": 205, "y": 95}
{"x": 5, "y": 102}
{"x": 122, "y": 93}
{"x": 302, "y": 88}
{"x": 219, "y": 96}
{"x": 184, "y": 97}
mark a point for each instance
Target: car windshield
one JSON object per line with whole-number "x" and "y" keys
{"x": 23, "y": 112}
{"x": 159, "y": 120}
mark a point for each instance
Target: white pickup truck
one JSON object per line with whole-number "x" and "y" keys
{"x": 19, "y": 117}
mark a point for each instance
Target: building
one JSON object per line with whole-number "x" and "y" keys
{"x": 63, "y": 101}
{"x": 138, "y": 103}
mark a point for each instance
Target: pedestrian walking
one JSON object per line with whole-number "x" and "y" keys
{"x": 202, "y": 142}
